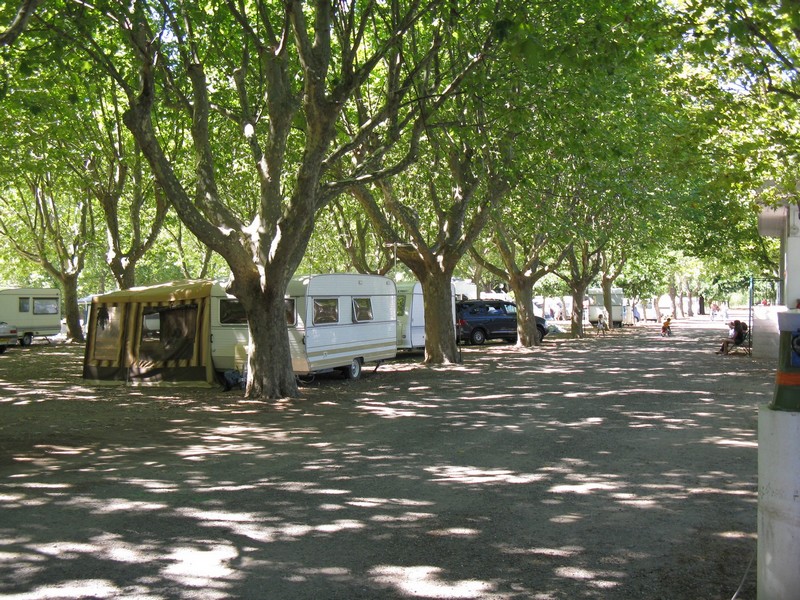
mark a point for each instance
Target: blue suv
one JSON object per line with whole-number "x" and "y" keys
{"x": 481, "y": 320}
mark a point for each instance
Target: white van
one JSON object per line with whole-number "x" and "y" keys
{"x": 341, "y": 321}
{"x": 35, "y": 311}
{"x": 411, "y": 315}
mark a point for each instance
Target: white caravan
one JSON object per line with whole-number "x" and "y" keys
{"x": 411, "y": 315}
{"x": 229, "y": 331}
{"x": 35, "y": 311}
{"x": 596, "y": 305}
{"x": 341, "y": 321}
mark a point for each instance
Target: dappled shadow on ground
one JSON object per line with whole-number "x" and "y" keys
{"x": 616, "y": 467}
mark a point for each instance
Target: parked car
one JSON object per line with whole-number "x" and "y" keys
{"x": 481, "y": 320}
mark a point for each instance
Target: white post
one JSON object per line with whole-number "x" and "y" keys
{"x": 778, "y": 505}
{"x": 779, "y": 473}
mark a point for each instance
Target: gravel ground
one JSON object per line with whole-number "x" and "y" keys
{"x": 616, "y": 467}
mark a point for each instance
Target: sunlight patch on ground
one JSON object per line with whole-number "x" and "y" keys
{"x": 200, "y": 567}
{"x": 389, "y": 412}
{"x": 562, "y": 552}
{"x": 598, "y": 579}
{"x": 566, "y": 519}
{"x": 722, "y": 441}
{"x": 78, "y": 588}
{"x": 427, "y": 582}
{"x": 471, "y": 475}
{"x": 460, "y": 532}
{"x": 738, "y": 535}
{"x": 582, "y": 488}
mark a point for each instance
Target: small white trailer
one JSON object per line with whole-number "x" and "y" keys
{"x": 35, "y": 311}
{"x": 411, "y": 315}
{"x": 341, "y": 321}
{"x": 596, "y": 305}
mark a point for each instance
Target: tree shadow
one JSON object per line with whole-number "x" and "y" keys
{"x": 617, "y": 467}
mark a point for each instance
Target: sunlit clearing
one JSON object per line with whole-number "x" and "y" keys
{"x": 425, "y": 582}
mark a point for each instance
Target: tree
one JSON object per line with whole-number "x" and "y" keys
{"x": 458, "y": 198}
{"x": 264, "y": 118}
{"x": 49, "y": 223}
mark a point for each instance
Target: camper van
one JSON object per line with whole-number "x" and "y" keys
{"x": 340, "y": 321}
{"x": 411, "y": 315}
{"x": 35, "y": 312}
{"x": 595, "y": 296}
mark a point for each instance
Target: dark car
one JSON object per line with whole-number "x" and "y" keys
{"x": 481, "y": 320}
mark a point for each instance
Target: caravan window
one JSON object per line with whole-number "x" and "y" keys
{"x": 45, "y": 306}
{"x": 168, "y": 333}
{"x": 231, "y": 312}
{"x": 24, "y": 305}
{"x": 362, "y": 310}
{"x": 288, "y": 308}
{"x": 326, "y": 310}
{"x": 401, "y": 305}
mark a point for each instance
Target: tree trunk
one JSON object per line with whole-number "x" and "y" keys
{"x": 576, "y": 318}
{"x": 440, "y": 333}
{"x": 71, "y": 309}
{"x": 657, "y": 308}
{"x": 269, "y": 366}
{"x": 673, "y": 294}
{"x": 527, "y": 332}
{"x": 607, "y": 304}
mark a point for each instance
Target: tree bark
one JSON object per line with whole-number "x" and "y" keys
{"x": 440, "y": 331}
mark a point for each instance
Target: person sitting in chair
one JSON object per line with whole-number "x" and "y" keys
{"x": 735, "y": 337}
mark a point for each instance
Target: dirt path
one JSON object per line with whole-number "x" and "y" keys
{"x": 617, "y": 468}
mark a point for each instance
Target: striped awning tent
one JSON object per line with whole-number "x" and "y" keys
{"x": 151, "y": 335}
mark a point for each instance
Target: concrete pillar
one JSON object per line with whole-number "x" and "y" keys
{"x": 778, "y": 505}
{"x": 779, "y": 473}
{"x": 792, "y": 258}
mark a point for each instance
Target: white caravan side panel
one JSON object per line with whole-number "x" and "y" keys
{"x": 340, "y": 317}
{"x": 596, "y": 304}
{"x": 411, "y": 324}
{"x": 410, "y": 316}
{"x": 35, "y": 311}
{"x": 229, "y": 331}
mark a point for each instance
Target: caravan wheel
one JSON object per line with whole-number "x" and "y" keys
{"x": 354, "y": 370}
{"x": 26, "y": 340}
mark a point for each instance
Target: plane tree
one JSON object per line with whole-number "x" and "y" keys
{"x": 524, "y": 232}
{"x": 46, "y": 218}
{"x": 265, "y": 112}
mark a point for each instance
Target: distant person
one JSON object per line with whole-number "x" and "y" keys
{"x": 714, "y": 310}
{"x": 636, "y": 316}
{"x": 666, "y": 327}
{"x": 735, "y": 337}
{"x": 602, "y": 324}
